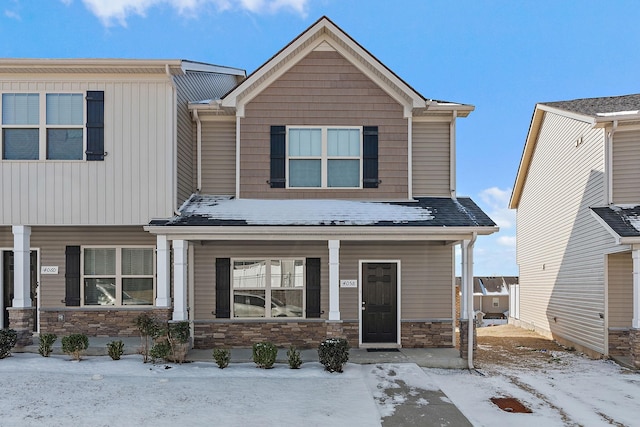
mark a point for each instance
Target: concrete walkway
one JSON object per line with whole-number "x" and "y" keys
{"x": 412, "y": 412}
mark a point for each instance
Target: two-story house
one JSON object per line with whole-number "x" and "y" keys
{"x": 577, "y": 193}
{"x": 315, "y": 198}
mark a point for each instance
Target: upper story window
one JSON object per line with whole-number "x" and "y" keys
{"x": 324, "y": 157}
{"x": 50, "y": 126}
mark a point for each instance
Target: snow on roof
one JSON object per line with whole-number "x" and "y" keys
{"x": 624, "y": 220}
{"x": 303, "y": 212}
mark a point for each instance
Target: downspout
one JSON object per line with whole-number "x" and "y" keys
{"x": 452, "y": 155}
{"x": 198, "y": 150}
{"x": 410, "y": 156}
{"x": 609, "y": 161}
{"x": 172, "y": 162}
{"x": 470, "y": 318}
{"x": 237, "y": 156}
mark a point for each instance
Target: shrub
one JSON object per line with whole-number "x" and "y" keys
{"x": 75, "y": 345}
{"x": 160, "y": 350}
{"x": 293, "y": 356}
{"x": 264, "y": 354}
{"x": 222, "y": 356}
{"x": 46, "y": 344}
{"x": 178, "y": 334}
{"x": 149, "y": 329}
{"x": 8, "y": 339}
{"x": 333, "y": 353}
{"x": 115, "y": 349}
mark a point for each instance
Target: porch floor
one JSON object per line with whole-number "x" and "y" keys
{"x": 425, "y": 357}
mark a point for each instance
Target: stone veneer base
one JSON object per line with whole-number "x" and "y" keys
{"x": 634, "y": 341}
{"x": 619, "y": 342}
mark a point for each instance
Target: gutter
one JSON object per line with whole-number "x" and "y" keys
{"x": 196, "y": 117}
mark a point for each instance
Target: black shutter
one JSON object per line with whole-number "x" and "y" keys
{"x": 278, "y": 149}
{"x": 313, "y": 287}
{"x": 370, "y": 157}
{"x": 72, "y": 276}
{"x": 223, "y": 288}
{"x": 95, "y": 125}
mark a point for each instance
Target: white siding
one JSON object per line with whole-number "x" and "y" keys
{"x": 560, "y": 247}
{"x": 132, "y": 185}
{"x": 431, "y": 159}
{"x": 626, "y": 167}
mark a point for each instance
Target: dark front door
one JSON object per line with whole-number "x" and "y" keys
{"x": 379, "y": 303}
{"x": 7, "y": 283}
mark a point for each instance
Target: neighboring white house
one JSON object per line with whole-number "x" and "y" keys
{"x": 577, "y": 195}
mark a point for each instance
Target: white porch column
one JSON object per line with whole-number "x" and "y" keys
{"x": 21, "y": 266}
{"x": 635, "y": 323}
{"x": 334, "y": 279}
{"x": 163, "y": 258}
{"x": 180, "y": 279}
{"x": 464, "y": 277}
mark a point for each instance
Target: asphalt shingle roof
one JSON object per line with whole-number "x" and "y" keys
{"x": 624, "y": 221}
{"x": 205, "y": 210}
{"x": 595, "y": 106}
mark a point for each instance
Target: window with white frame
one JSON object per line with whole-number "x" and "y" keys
{"x": 262, "y": 283}
{"x": 496, "y": 302}
{"x": 118, "y": 276}
{"x": 324, "y": 157}
{"x": 42, "y": 126}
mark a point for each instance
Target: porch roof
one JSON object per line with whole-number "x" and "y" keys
{"x": 440, "y": 217}
{"x": 622, "y": 221}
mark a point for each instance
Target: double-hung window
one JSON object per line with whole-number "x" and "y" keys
{"x": 118, "y": 276}
{"x": 42, "y": 126}
{"x": 324, "y": 157}
{"x": 268, "y": 287}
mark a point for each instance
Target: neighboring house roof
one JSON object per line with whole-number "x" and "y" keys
{"x": 325, "y": 35}
{"x": 491, "y": 285}
{"x": 623, "y": 222}
{"x": 599, "y": 112}
{"x": 201, "y": 210}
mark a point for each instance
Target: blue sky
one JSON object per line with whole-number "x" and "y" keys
{"x": 501, "y": 56}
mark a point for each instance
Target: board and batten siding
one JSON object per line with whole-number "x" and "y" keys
{"x": 560, "y": 246}
{"x": 323, "y": 89}
{"x": 219, "y": 157}
{"x": 51, "y": 242}
{"x": 431, "y": 159}
{"x": 426, "y": 271}
{"x": 620, "y": 286}
{"x": 626, "y": 167}
{"x": 132, "y": 185}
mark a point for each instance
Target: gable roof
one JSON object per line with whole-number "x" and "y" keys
{"x": 596, "y": 111}
{"x": 322, "y": 35}
{"x": 623, "y": 222}
{"x": 431, "y": 215}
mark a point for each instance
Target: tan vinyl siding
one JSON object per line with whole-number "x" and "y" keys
{"x": 323, "y": 89}
{"x": 51, "y": 241}
{"x": 560, "y": 246}
{"x": 620, "y": 284}
{"x": 431, "y": 159}
{"x": 626, "y": 167}
{"x": 132, "y": 185}
{"x": 219, "y": 157}
{"x": 425, "y": 273}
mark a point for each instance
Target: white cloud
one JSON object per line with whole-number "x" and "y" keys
{"x": 110, "y": 11}
{"x": 13, "y": 15}
{"x": 496, "y": 205}
{"x": 508, "y": 241}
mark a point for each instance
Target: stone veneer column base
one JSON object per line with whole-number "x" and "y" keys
{"x": 634, "y": 343}
{"x": 22, "y": 320}
{"x": 464, "y": 342}
{"x": 428, "y": 334}
{"x": 619, "y": 342}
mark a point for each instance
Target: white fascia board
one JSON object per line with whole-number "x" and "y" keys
{"x": 319, "y": 233}
{"x": 30, "y": 65}
{"x": 616, "y": 236}
{"x": 570, "y": 114}
{"x": 603, "y": 120}
{"x": 210, "y": 68}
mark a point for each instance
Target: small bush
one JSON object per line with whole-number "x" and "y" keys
{"x": 293, "y": 356}
{"x": 149, "y": 329}
{"x": 46, "y": 344}
{"x": 222, "y": 356}
{"x": 115, "y": 349}
{"x": 264, "y": 354}
{"x": 333, "y": 354}
{"x": 8, "y": 339}
{"x": 75, "y": 345}
{"x": 160, "y": 350}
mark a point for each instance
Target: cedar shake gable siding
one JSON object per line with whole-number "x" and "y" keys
{"x": 323, "y": 89}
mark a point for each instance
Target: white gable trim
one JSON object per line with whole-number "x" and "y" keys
{"x": 324, "y": 35}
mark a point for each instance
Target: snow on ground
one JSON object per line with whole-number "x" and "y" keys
{"x": 571, "y": 390}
